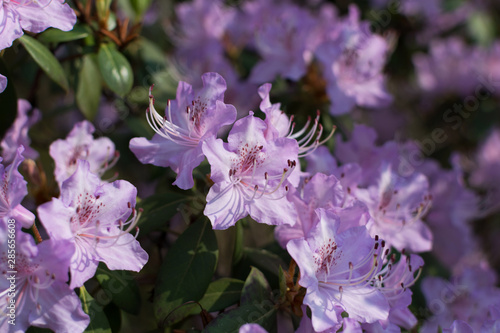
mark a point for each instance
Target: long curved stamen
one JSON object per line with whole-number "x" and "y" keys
{"x": 164, "y": 126}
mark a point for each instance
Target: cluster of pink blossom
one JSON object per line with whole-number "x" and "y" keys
{"x": 355, "y": 213}
{"x": 290, "y": 41}
{"x": 90, "y": 222}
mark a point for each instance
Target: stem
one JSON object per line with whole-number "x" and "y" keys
{"x": 38, "y": 238}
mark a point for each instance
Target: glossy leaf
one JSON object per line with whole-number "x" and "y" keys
{"x": 54, "y": 35}
{"x": 263, "y": 314}
{"x": 221, "y": 294}
{"x": 88, "y": 93}
{"x": 256, "y": 288}
{"x": 98, "y": 321}
{"x": 186, "y": 273}
{"x": 115, "y": 69}
{"x": 158, "y": 209}
{"x": 121, "y": 287}
{"x": 46, "y": 60}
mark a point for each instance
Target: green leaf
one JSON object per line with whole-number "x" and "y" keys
{"x": 481, "y": 28}
{"x": 46, "y": 60}
{"x": 54, "y": 35}
{"x": 186, "y": 272}
{"x": 88, "y": 93}
{"x": 140, "y": 6}
{"x": 263, "y": 314}
{"x": 121, "y": 287}
{"x": 98, "y": 321}
{"x": 221, "y": 294}
{"x": 267, "y": 262}
{"x": 158, "y": 209}
{"x": 256, "y": 288}
{"x": 115, "y": 69}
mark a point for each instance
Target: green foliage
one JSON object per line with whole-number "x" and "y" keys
{"x": 159, "y": 209}
{"x": 121, "y": 287}
{"x": 221, "y": 294}
{"x": 55, "y": 36}
{"x": 98, "y": 321}
{"x": 115, "y": 69}
{"x": 88, "y": 93}
{"x": 46, "y": 60}
{"x": 186, "y": 273}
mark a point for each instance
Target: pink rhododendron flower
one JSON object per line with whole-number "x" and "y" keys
{"x": 190, "y": 120}
{"x": 33, "y": 16}
{"x": 42, "y": 297}
{"x": 18, "y": 133}
{"x": 338, "y": 269}
{"x": 321, "y": 191}
{"x": 91, "y": 217}
{"x": 353, "y": 64}
{"x": 250, "y": 174}
{"x": 471, "y": 296}
{"x": 397, "y": 205}
{"x": 281, "y": 38}
{"x": 12, "y": 192}
{"x": 80, "y": 144}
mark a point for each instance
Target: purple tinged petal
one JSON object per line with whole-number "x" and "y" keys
{"x": 272, "y": 211}
{"x": 158, "y": 151}
{"x": 325, "y": 313}
{"x": 55, "y": 217}
{"x": 225, "y": 205}
{"x": 3, "y": 83}
{"x": 23, "y": 216}
{"x": 61, "y": 310}
{"x": 365, "y": 304}
{"x": 351, "y": 325}
{"x": 18, "y": 133}
{"x": 42, "y": 14}
{"x": 126, "y": 254}
{"x": 302, "y": 253}
{"x": 459, "y": 326}
{"x": 190, "y": 160}
{"x": 219, "y": 157}
{"x": 10, "y": 28}
{"x": 80, "y": 144}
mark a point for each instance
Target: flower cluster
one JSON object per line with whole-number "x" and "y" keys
{"x": 89, "y": 223}
{"x": 291, "y": 41}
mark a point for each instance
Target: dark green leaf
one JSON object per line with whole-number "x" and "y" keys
{"x": 159, "y": 209}
{"x": 121, "y": 287}
{"x": 88, "y": 93}
{"x": 267, "y": 262}
{"x": 256, "y": 288}
{"x": 53, "y": 35}
{"x": 46, "y": 60}
{"x": 186, "y": 272}
{"x": 263, "y": 314}
{"x": 222, "y": 294}
{"x": 98, "y": 321}
{"x": 115, "y": 69}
